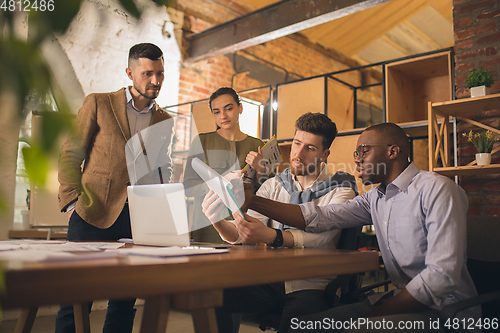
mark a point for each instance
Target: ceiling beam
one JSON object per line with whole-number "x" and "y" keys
{"x": 268, "y": 23}
{"x": 395, "y": 45}
{"x": 445, "y": 7}
{"x": 420, "y": 36}
{"x": 377, "y": 24}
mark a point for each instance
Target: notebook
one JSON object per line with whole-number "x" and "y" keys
{"x": 158, "y": 214}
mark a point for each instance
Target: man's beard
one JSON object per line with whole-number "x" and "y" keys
{"x": 304, "y": 170}
{"x": 153, "y": 95}
{"x": 296, "y": 172}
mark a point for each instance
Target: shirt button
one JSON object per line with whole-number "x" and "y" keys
{"x": 385, "y": 222}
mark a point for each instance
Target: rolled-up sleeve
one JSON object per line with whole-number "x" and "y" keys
{"x": 313, "y": 240}
{"x": 352, "y": 213}
{"x": 323, "y": 239}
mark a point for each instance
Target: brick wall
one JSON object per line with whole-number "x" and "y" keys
{"x": 198, "y": 80}
{"x": 477, "y": 36}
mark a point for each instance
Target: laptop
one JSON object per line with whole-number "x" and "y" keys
{"x": 158, "y": 214}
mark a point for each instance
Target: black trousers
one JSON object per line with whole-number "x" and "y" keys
{"x": 268, "y": 299}
{"x": 121, "y": 313}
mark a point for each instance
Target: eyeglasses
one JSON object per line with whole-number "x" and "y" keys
{"x": 360, "y": 151}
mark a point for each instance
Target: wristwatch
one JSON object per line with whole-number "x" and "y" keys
{"x": 278, "y": 241}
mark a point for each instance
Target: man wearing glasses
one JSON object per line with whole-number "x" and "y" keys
{"x": 420, "y": 223}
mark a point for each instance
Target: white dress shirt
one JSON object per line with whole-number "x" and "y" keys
{"x": 138, "y": 119}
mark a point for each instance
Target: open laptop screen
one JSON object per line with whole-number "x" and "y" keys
{"x": 158, "y": 214}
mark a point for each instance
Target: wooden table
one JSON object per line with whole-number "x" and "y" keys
{"x": 192, "y": 283}
{"x": 37, "y": 234}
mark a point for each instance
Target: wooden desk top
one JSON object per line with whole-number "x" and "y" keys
{"x": 36, "y": 234}
{"x": 34, "y": 284}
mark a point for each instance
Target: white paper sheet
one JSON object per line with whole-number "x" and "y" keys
{"x": 48, "y": 250}
{"x": 170, "y": 251}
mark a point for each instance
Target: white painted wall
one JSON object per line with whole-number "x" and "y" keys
{"x": 98, "y": 40}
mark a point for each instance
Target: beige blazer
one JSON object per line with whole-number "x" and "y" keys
{"x": 92, "y": 164}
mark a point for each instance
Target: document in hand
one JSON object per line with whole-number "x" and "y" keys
{"x": 218, "y": 184}
{"x": 271, "y": 158}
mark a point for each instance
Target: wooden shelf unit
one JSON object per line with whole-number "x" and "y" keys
{"x": 469, "y": 170}
{"x": 439, "y": 134}
{"x": 319, "y": 94}
{"x": 412, "y": 83}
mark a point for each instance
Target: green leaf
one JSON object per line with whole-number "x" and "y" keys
{"x": 54, "y": 124}
{"x": 479, "y": 77}
{"x": 167, "y": 3}
{"x": 22, "y": 70}
{"x": 43, "y": 23}
{"x": 129, "y": 6}
{"x": 2, "y": 284}
{"x": 36, "y": 164}
{"x": 3, "y": 206}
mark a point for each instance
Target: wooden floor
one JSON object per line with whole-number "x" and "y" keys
{"x": 178, "y": 322}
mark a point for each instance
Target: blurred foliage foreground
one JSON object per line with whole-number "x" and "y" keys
{"x": 24, "y": 71}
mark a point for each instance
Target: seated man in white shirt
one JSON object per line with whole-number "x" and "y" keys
{"x": 306, "y": 180}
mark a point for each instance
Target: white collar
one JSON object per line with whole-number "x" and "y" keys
{"x": 131, "y": 100}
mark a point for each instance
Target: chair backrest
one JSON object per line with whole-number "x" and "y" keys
{"x": 349, "y": 239}
{"x": 483, "y": 258}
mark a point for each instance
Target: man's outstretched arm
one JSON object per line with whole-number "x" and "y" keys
{"x": 285, "y": 213}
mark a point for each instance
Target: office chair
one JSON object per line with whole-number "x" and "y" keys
{"x": 349, "y": 240}
{"x": 483, "y": 263}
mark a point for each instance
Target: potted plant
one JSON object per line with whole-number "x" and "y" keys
{"x": 479, "y": 81}
{"x": 484, "y": 144}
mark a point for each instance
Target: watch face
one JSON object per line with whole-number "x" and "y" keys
{"x": 278, "y": 241}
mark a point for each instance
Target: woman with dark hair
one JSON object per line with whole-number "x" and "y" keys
{"x": 226, "y": 149}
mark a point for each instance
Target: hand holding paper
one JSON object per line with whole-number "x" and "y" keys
{"x": 254, "y": 166}
{"x": 253, "y": 231}
{"x": 264, "y": 161}
{"x": 219, "y": 184}
{"x": 212, "y": 206}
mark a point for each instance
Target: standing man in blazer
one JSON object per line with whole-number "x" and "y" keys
{"x": 93, "y": 173}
